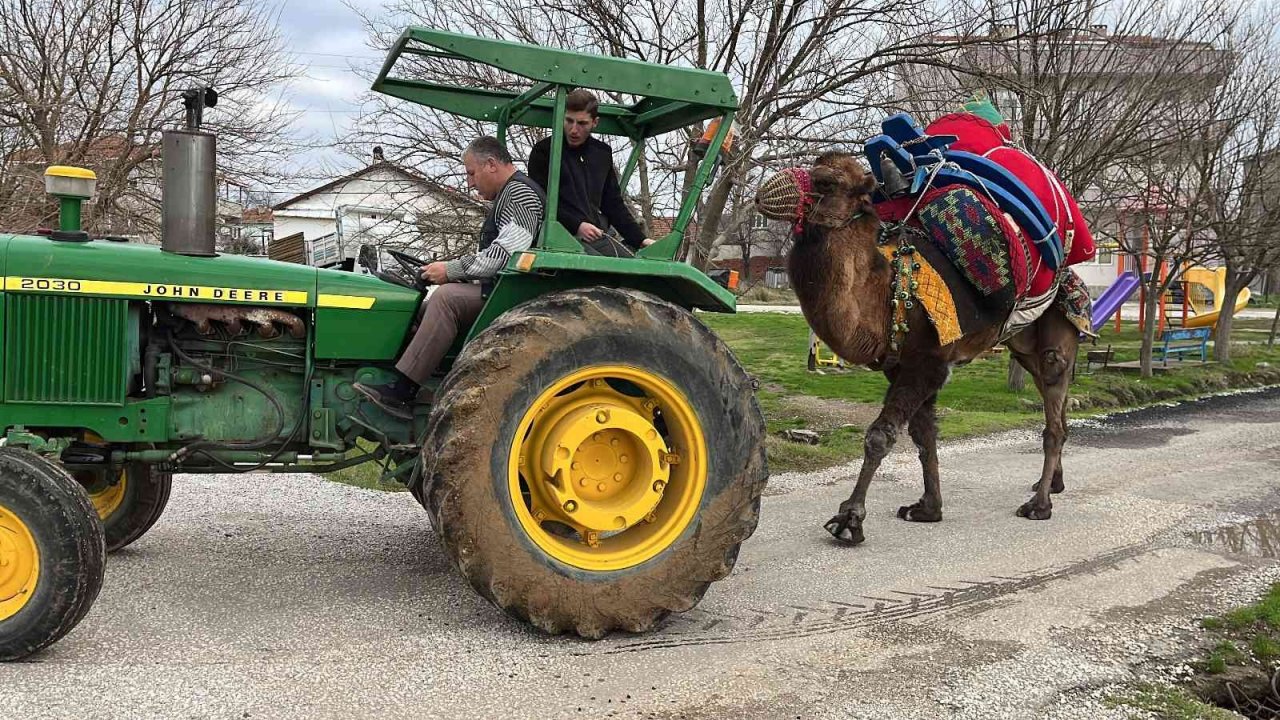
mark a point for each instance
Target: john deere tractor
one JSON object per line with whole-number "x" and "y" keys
{"x": 593, "y": 455}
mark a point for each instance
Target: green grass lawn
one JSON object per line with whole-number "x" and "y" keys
{"x": 773, "y": 347}
{"x": 840, "y": 403}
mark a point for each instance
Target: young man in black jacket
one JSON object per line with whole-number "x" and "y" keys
{"x": 590, "y": 199}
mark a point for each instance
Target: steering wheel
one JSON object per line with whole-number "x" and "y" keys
{"x": 409, "y": 263}
{"x": 409, "y": 273}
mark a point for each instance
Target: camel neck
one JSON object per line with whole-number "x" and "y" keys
{"x": 843, "y": 282}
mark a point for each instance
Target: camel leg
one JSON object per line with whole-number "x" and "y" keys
{"x": 1029, "y": 362}
{"x": 908, "y": 390}
{"x": 924, "y": 433}
{"x": 1056, "y": 343}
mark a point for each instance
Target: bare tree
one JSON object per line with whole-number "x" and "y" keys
{"x": 808, "y": 75}
{"x": 1084, "y": 84}
{"x": 1240, "y": 164}
{"x": 93, "y": 82}
{"x": 1158, "y": 206}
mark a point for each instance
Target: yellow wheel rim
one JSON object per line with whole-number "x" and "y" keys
{"x": 107, "y": 498}
{"x": 608, "y": 467}
{"x": 19, "y": 564}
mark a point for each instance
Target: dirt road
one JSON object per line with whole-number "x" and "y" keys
{"x": 292, "y": 597}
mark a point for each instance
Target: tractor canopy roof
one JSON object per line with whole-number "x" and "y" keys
{"x": 670, "y": 97}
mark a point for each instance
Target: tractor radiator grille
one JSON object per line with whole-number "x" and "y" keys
{"x": 62, "y": 349}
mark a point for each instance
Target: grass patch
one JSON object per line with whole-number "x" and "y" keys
{"x": 1262, "y": 615}
{"x": 840, "y": 403}
{"x": 1169, "y": 703}
{"x": 760, "y": 294}
{"x": 1223, "y": 654}
{"x": 773, "y": 347}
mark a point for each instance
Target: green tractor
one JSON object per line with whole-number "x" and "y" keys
{"x": 593, "y": 455}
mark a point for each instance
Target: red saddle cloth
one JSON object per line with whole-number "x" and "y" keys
{"x": 978, "y": 136}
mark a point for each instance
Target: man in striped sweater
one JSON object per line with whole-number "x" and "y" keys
{"x": 513, "y": 222}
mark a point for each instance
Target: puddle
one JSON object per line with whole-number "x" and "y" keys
{"x": 1259, "y": 537}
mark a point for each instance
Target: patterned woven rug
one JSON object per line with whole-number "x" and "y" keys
{"x": 972, "y": 232}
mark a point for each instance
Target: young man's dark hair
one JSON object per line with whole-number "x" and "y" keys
{"x": 582, "y": 100}
{"x": 590, "y": 201}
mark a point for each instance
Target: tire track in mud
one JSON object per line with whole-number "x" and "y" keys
{"x": 703, "y": 628}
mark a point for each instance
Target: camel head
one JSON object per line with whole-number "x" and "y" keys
{"x": 841, "y": 190}
{"x": 829, "y": 195}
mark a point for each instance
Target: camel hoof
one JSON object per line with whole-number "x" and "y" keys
{"x": 846, "y": 527}
{"x": 1031, "y": 512}
{"x": 917, "y": 512}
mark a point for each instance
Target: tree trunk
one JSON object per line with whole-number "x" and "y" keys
{"x": 1275, "y": 324}
{"x": 712, "y": 212}
{"x": 1017, "y": 378}
{"x": 1226, "y": 317}
{"x": 1149, "y": 332}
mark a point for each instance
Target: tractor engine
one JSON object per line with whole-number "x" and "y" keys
{"x": 235, "y": 374}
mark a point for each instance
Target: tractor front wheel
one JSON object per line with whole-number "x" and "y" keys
{"x": 51, "y": 553}
{"x": 594, "y": 461}
{"x": 130, "y": 503}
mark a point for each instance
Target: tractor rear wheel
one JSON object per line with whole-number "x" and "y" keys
{"x": 594, "y": 461}
{"x": 51, "y": 553}
{"x": 129, "y": 506}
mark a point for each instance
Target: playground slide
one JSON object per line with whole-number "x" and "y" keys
{"x": 1209, "y": 319}
{"x": 1113, "y": 297}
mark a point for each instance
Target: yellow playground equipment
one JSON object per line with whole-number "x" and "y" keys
{"x": 1200, "y": 282}
{"x": 817, "y": 358}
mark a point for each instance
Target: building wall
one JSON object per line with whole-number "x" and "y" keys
{"x": 383, "y": 207}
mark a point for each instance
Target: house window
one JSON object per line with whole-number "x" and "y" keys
{"x": 1105, "y": 256}
{"x": 759, "y": 222}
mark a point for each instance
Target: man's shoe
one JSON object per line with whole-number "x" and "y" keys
{"x": 383, "y": 398}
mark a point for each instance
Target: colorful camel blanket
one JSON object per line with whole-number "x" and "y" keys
{"x": 970, "y": 269}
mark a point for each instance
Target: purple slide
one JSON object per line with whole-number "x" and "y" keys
{"x": 1113, "y": 297}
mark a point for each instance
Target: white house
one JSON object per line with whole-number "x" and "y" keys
{"x": 384, "y": 205}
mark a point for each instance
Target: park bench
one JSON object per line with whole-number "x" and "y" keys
{"x": 1181, "y": 341}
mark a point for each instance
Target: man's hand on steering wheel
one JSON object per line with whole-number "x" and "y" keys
{"x": 435, "y": 273}
{"x": 409, "y": 272}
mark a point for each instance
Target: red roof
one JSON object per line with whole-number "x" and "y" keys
{"x": 97, "y": 151}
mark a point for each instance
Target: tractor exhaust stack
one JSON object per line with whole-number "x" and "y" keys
{"x": 188, "y": 186}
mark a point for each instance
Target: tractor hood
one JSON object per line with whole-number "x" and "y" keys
{"x": 357, "y": 316}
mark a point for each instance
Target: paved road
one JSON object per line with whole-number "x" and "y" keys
{"x": 292, "y": 597}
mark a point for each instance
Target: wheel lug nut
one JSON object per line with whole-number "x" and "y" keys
{"x": 576, "y": 465}
{"x": 582, "y": 482}
{"x": 601, "y": 487}
{"x": 570, "y": 506}
{"x": 659, "y": 486}
{"x": 602, "y": 417}
{"x": 617, "y": 477}
{"x": 622, "y": 459}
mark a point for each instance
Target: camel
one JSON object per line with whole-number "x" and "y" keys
{"x": 843, "y": 283}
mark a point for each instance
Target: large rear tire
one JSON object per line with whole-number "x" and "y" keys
{"x": 51, "y": 553}
{"x": 594, "y": 461}
{"x": 130, "y": 505}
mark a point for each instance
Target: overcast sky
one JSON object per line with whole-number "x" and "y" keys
{"x": 326, "y": 39}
